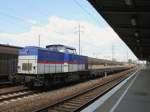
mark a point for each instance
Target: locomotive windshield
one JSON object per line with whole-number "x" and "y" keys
{"x": 71, "y": 51}
{"x": 56, "y": 48}
{"x": 61, "y": 48}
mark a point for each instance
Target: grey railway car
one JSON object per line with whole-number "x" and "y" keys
{"x": 8, "y": 61}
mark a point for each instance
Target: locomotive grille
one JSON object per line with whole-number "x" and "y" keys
{"x": 27, "y": 66}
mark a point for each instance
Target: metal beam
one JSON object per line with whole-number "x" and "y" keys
{"x": 131, "y": 27}
{"x": 124, "y": 10}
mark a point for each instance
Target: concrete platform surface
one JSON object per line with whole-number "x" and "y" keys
{"x": 132, "y": 95}
{"x": 137, "y": 98}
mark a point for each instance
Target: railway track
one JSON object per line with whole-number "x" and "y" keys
{"x": 16, "y": 95}
{"x": 5, "y": 84}
{"x": 13, "y": 92}
{"x": 80, "y": 100}
{"x": 72, "y": 99}
{"x": 12, "y": 89}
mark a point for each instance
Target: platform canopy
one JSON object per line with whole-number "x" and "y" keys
{"x": 130, "y": 19}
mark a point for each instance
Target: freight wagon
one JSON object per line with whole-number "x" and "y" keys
{"x": 8, "y": 61}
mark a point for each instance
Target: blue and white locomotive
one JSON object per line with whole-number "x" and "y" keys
{"x": 40, "y": 64}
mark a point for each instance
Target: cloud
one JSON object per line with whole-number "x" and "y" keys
{"x": 95, "y": 41}
{"x": 31, "y": 21}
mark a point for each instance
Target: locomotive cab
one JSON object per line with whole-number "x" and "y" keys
{"x": 63, "y": 49}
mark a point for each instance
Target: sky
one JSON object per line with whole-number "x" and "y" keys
{"x": 57, "y": 21}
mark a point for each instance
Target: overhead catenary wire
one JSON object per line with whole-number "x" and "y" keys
{"x": 23, "y": 20}
{"x": 11, "y": 17}
{"x": 87, "y": 12}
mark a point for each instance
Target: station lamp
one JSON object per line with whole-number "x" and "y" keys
{"x": 138, "y": 41}
{"x": 128, "y": 2}
{"x": 133, "y": 22}
{"x": 136, "y": 34}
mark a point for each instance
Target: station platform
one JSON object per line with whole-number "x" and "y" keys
{"x": 132, "y": 96}
{"x": 137, "y": 98}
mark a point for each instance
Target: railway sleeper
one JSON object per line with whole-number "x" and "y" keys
{"x": 68, "y": 107}
{"x": 79, "y": 101}
{"x": 88, "y": 95}
{"x": 52, "y": 110}
{"x": 91, "y": 94}
{"x": 83, "y": 97}
{"x": 75, "y": 102}
{"x": 71, "y": 104}
{"x": 60, "y": 109}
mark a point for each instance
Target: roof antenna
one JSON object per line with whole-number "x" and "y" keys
{"x": 39, "y": 37}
